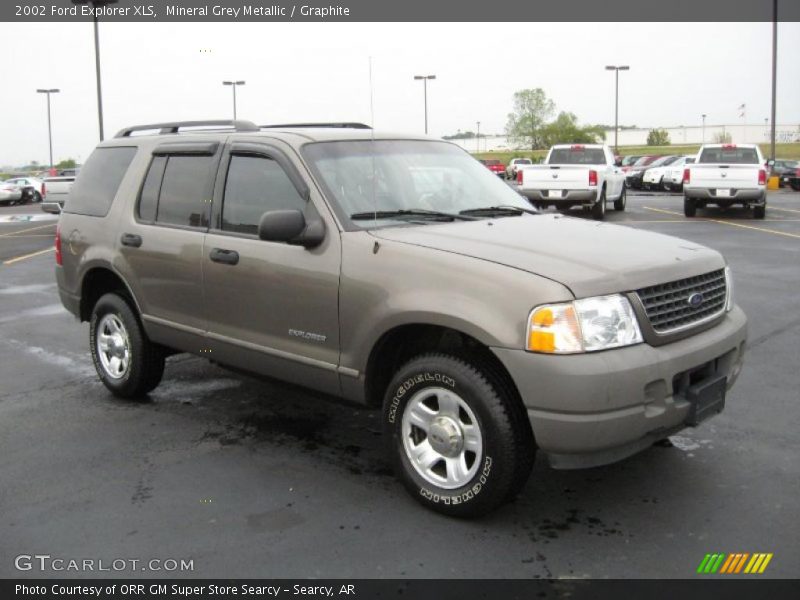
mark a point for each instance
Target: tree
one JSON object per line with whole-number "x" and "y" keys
{"x": 565, "y": 130}
{"x": 67, "y": 163}
{"x": 532, "y": 108}
{"x": 658, "y": 137}
{"x": 722, "y": 137}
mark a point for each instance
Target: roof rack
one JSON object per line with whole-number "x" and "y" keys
{"x": 343, "y": 125}
{"x": 176, "y": 126}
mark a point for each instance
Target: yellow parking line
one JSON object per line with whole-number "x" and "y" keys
{"x": 731, "y": 223}
{"x": 24, "y": 230}
{"x": 11, "y": 261}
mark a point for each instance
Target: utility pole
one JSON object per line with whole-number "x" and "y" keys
{"x": 616, "y": 70}
{"x": 424, "y": 79}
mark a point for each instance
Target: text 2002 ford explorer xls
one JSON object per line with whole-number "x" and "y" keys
{"x": 397, "y": 271}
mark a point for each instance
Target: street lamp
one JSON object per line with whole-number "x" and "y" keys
{"x": 616, "y": 70}
{"x": 704, "y": 127}
{"x": 425, "y": 79}
{"x": 97, "y": 4}
{"x": 233, "y": 85}
{"x": 478, "y": 137}
{"x": 49, "y": 128}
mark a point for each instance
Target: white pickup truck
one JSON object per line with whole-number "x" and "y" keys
{"x": 726, "y": 174}
{"x": 56, "y": 190}
{"x": 575, "y": 175}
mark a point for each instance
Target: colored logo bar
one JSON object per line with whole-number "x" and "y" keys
{"x": 741, "y": 562}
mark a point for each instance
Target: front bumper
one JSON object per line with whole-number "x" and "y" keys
{"x": 750, "y": 195}
{"x": 588, "y": 196}
{"x": 596, "y": 408}
{"x": 52, "y": 207}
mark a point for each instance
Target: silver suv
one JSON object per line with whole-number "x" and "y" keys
{"x": 397, "y": 272}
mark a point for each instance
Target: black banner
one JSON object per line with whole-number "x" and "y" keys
{"x": 339, "y": 589}
{"x": 400, "y": 10}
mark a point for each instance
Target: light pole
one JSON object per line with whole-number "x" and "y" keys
{"x": 233, "y": 84}
{"x": 478, "y": 137}
{"x": 95, "y": 5}
{"x": 704, "y": 127}
{"x": 774, "y": 74}
{"x": 49, "y": 128}
{"x": 425, "y": 79}
{"x": 616, "y": 70}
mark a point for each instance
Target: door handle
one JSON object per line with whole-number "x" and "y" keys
{"x": 228, "y": 257}
{"x": 131, "y": 239}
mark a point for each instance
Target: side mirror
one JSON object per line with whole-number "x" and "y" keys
{"x": 290, "y": 226}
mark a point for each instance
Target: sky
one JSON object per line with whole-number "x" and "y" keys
{"x": 298, "y": 72}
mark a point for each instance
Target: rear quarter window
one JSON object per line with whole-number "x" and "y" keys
{"x": 98, "y": 181}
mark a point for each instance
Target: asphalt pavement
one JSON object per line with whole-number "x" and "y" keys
{"x": 251, "y": 478}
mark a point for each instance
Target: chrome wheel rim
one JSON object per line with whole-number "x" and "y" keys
{"x": 113, "y": 346}
{"x": 442, "y": 438}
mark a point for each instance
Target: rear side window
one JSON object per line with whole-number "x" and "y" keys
{"x": 731, "y": 155}
{"x": 255, "y": 185}
{"x": 577, "y": 156}
{"x": 98, "y": 182}
{"x": 186, "y": 191}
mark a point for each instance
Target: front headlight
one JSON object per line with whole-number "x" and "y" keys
{"x": 729, "y": 288}
{"x": 585, "y": 325}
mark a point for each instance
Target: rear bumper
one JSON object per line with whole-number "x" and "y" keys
{"x": 592, "y": 409}
{"x": 750, "y": 195}
{"x": 588, "y": 196}
{"x": 72, "y": 302}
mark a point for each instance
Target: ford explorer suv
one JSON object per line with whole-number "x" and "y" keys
{"x": 726, "y": 174}
{"x": 575, "y": 175}
{"x": 397, "y": 272}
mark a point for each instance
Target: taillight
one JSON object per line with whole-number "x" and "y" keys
{"x": 729, "y": 146}
{"x": 519, "y": 176}
{"x": 687, "y": 176}
{"x": 797, "y": 173}
{"x": 593, "y": 178}
{"x": 762, "y": 177}
{"x": 58, "y": 244}
{"x": 44, "y": 191}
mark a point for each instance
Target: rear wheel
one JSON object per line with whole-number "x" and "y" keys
{"x": 619, "y": 203}
{"x": 759, "y": 212}
{"x": 459, "y": 438}
{"x": 689, "y": 207}
{"x": 128, "y": 364}
{"x": 599, "y": 208}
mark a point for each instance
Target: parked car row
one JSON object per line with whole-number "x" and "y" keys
{"x": 21, "y": 190}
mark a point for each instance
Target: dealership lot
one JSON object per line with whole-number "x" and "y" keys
{"x": 258, "y": 479}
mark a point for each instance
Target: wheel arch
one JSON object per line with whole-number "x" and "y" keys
{"x": 99, "y": 280}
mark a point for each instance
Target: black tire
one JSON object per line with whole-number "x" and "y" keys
{"x": 795, "y": 184}
{"x": 495, "y": 474}
{"x": 145, "y": 365}
{"x": 599, "y": 208}
{"x": 689, "y": 207}
{"x": 622, "y": 201}
{"x": 759, "y": 212}
{"x": 37, "y": 197}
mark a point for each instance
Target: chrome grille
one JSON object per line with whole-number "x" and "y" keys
{"x": 668, "y": 306}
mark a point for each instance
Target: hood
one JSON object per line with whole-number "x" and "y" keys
{"x": 588, "y": 257}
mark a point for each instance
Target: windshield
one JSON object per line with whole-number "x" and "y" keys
{"x": 404, "y": 175}
{"x": 629, "y": 160}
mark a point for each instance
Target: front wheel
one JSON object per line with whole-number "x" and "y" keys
{"x": 37, "y": 197}
{"x": 459, "y": 437}
{"x": 622, "y": 201}
{"x": 128, "y": 364}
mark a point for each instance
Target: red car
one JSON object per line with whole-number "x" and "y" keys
{"x": 495, "y": 166}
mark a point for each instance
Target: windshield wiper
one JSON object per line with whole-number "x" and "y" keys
{"x": 410, "y": 212}
{"x": 496, "y": 211}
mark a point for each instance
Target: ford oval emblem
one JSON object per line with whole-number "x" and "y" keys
{"x": 695, "y": 300}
